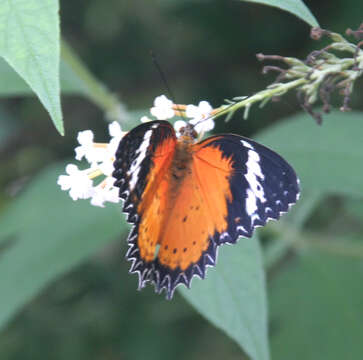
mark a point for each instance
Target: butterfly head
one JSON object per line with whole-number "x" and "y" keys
{"x": 187, "y": 133}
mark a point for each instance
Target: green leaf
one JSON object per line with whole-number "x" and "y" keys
{"x": 52, "y": 234}
{"x": 316, "y": 309}
{"x": 327, "y": 158}
{"x": 29, "y": 42}
{"x": 276, "y": 249}
{"x": 75, "y": 78}
{"x": 233, "y": 297}
{"x": 296, "y": 7}
{"x": 13, "y": 85}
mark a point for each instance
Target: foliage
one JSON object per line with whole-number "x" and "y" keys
{"x": 312, "y": 256}
{"x": 298, "y": 8}
{"x": 30, "y": 44}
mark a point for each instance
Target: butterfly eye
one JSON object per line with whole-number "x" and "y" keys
{"x": 182, "y": 130}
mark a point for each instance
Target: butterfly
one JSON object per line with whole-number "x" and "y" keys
{"x": 186, "y": 198}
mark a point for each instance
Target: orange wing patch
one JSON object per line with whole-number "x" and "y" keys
{"x": 152, "y": 208}
{"x": 198, "y": 211}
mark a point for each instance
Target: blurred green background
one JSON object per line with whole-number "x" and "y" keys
{"x": 207, "y": 52}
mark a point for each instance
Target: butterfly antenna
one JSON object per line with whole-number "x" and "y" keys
{"x": 171, "y": 95}
{"x": 162, "y": 75}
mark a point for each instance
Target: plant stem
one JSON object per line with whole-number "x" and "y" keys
{"x": 91, "y": 87}
{"x": 271, "y": 91}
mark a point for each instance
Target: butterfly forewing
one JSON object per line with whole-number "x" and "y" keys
{"x": 263, "y": 185}
{"x": 143, "y": 149}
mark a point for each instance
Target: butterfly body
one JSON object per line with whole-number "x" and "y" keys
{"x": 185, "y": 198}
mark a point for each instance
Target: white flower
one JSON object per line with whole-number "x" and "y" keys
{"x": 115, "y": 131}
{"x": 88, "y": 148}
{"x": 106, "y": 167}
{"x": 202, "y": 125}
{"x": 178, "y": 125}
{"x": 112, "y": 148}
{"x": 116, "y": 134}
{"x": 145, "y": 119}
{"x": 163, "y": 108}
{"x": 101, "y": 157}
{"x": 201, "y": 116}
{"x": 202, "y": 111}
{"x": 105, "y": 192}
{"x": 78, "y": 183}
{"x": 85, "y": 138}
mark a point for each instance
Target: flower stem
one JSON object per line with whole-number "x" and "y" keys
{"x": 271, "y": 91}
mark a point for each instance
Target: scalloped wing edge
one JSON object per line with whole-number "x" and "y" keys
{"x": 169, "y": 280}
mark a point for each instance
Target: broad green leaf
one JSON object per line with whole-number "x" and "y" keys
{"x": 52, "y": 234}
{"x": 13, "y": 85}
{"x": 276, "y": 249}
{"x": 75, "y": 78}
{"x": 296, "y": 7}
{"x": 316, "y": 309}
{"x": 233, "y": 297}
{"x": 327, "y": 158}
{"x": 29, "y": 42}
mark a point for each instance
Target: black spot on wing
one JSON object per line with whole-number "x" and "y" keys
{"x": 126, "y": 156}
{"x": 162, "y": 276}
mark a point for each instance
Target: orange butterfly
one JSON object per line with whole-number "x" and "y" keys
{"x": 185, "y": 198}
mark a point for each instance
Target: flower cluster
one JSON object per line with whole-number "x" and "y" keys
{"x": 96, "y": 181}
{"x": 201, "y": 116}
{"x": 100, "y": 157}
{"x": 337, "y": 66}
